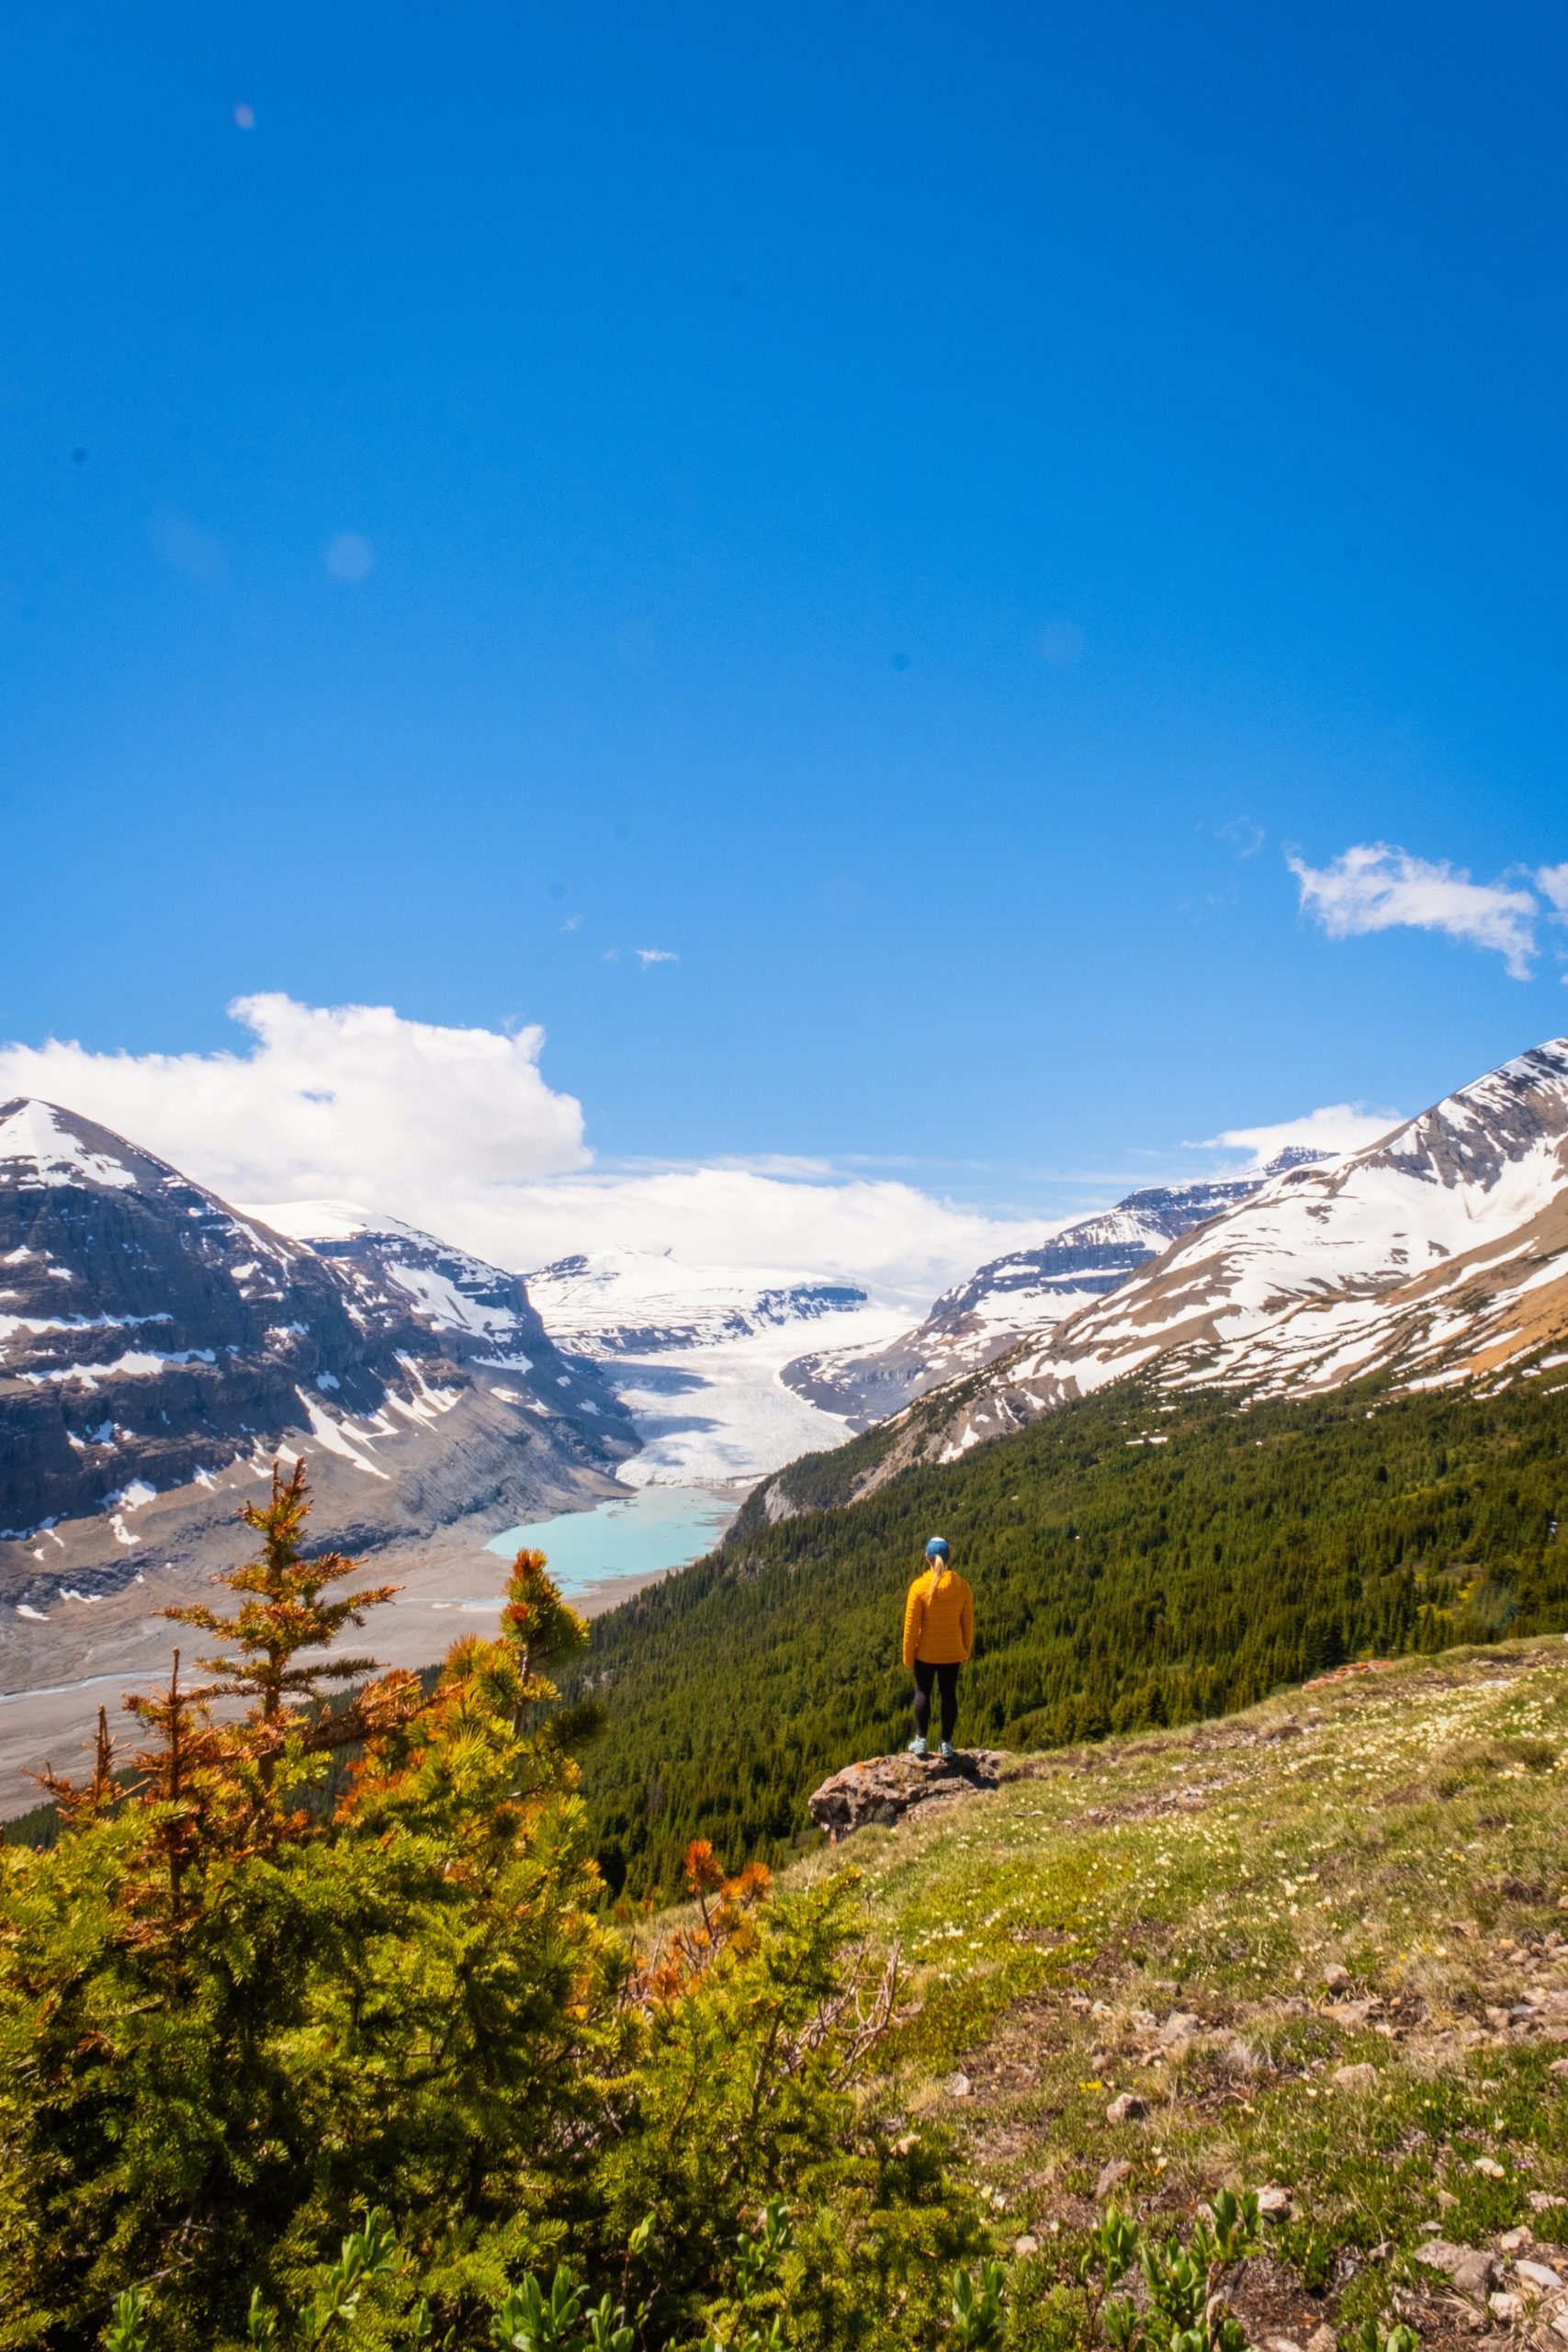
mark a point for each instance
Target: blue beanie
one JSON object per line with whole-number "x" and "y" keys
{"x": 937, "y": 1548}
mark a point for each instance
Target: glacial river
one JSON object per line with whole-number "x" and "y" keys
{"x": 640, "y": 1535}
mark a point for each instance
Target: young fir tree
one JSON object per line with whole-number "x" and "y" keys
{"x": 282, "y": 1625}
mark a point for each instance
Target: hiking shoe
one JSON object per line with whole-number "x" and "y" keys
{"x": 919, "y": 1747}
{"x": 947, "y": 1749}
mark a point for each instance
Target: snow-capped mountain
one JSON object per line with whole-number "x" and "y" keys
{"x": 644, "y": 1302}
{"x": 381, "y": 1259}
{"x": 1029, "y": 1290}
{"x": 695, "y": 1353}
{"x": 1437, "y": 1255}
{"x": 152, "y": 1337}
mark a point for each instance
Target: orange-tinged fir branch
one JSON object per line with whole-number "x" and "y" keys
{"x": 283, "y": 1614}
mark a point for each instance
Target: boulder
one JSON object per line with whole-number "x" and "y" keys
{"x": 885, "y": 1788}
{"x": 1127, "y": 2108}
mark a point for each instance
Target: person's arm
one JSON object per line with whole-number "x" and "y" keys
{"x": 967, "y": 1622}
{"x": 914, "y": 1615}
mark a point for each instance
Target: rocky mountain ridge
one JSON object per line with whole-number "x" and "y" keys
{"x": 151, "y": 1338}
{"x": 1435, "y": 1256}
{"x": 1028, "y": 1290}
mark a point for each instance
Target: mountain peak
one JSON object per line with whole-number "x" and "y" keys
{"x": 42, "y": 1142}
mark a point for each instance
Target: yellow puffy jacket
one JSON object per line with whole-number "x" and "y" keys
{"x": 939, "y": 1620}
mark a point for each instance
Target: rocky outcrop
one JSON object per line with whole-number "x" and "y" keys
{"x": 886, "y": 1789}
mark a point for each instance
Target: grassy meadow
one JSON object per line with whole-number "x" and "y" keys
{"x": 1323, "y": 1948}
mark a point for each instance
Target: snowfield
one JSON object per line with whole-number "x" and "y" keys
{"x": 720, "y": 1412}
{"x": 695, "y": 1353}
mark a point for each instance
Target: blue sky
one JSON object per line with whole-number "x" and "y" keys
{"x": 916, "y": 515}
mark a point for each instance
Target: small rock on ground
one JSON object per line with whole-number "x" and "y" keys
{"x": 1471, "y": 2270}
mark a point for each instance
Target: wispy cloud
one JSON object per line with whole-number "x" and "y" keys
{"x": 1245, "y": 838}
{"x": 1553, "y": 881}
{"x": 1376, "y": 887}
{"x": 647, "y": 956}
{"x": 1334, "y": 1126}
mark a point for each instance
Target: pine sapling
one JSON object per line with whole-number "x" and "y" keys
{"x": 283, "y": 1617}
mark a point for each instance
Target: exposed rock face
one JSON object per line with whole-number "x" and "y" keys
{"x": 885, "y": 1788}
{"x": 1030, "y": 1291}
{"x": 151, "y": 1336}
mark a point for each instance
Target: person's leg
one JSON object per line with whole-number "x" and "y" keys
{"x": 947, "y": 1677}
{"x": 925, "y": 1676}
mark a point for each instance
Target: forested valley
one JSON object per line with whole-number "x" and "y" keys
{"x": 1136, "y": 1561}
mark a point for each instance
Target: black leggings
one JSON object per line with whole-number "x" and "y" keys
{"x": 946, "y": 1679}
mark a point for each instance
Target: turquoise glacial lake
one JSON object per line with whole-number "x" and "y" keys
{"x": 641, "y": 1534}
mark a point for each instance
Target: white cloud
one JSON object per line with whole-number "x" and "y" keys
{"x": 1553, "y": 880}
{"x": 1336, "y": 1126}
{"x": 352, "y": 1100}
{"x": 456, "y": 1131}
{"x": 647, "y": 956}
{"x": 1375, "y": 886}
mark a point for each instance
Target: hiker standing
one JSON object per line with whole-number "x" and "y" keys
{"x": 939, "y": 1634}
